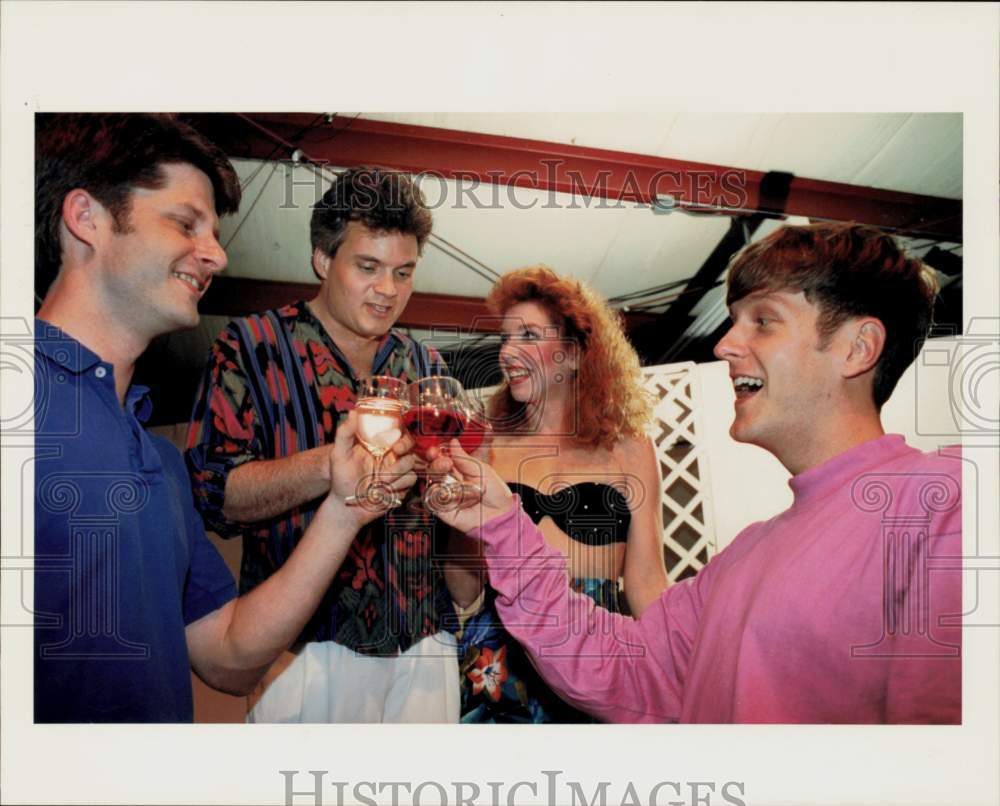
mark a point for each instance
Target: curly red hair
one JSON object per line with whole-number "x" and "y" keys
{"x": 614, "y": 405}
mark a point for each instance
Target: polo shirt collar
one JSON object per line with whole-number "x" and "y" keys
{"x": 65, "y": 351}
{"x": 62, "y": 349}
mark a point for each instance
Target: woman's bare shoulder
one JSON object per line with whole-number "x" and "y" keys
{"x": 633, "y": 451}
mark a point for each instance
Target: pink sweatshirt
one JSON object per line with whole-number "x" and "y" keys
{"x": 844, "y": 608}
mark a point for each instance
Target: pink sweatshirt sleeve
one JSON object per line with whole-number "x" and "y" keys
{"x": 616, "y": 668}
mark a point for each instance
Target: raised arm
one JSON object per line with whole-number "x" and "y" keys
{"x": 645, "y": 570}
{"x": 233, "y": 479}
{"x": 617, "y": 668}
{"x": 266, "y": 488}
{"x": 232, "y": 647}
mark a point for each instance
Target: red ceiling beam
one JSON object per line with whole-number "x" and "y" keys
{"x": 615, "y": 176}
{"x": 445, "y": 313}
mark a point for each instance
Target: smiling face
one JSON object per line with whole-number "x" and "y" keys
{"x": 535, "y": 358}
{"x": 153, "y": 274}
{"x": 787, "y": 388}
{"x": 368, "y": 282}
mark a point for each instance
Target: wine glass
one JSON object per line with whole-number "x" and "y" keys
{"x": 438, "y": 410}
{"x": 477, "y": 427}
{"x": 379, "y": 406}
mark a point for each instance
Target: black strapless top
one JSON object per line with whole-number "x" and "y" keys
{"x": 589, "y": 512}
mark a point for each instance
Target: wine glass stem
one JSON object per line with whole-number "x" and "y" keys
{"x": 377, "y": 470}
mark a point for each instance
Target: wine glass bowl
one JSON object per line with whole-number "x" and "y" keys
{"x": 439, "y": 410}
{"x": 477, "y": 427}
{"x": 379, "y": 424}
{"x": 380, "y": 404}
{"x": 435, "y": 412}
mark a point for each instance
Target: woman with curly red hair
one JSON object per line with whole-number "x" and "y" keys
{"x": 569, "y": 422}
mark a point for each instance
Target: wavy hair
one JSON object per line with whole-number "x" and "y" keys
{"x": 378, "y": 198}
{"x": 611, "y": 402}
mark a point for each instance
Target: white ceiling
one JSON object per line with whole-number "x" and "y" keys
{"x": 915, "y": 153}
{"x": 617, "y": 248}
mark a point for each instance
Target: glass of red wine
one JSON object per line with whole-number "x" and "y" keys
{"x": 439, "y": 410}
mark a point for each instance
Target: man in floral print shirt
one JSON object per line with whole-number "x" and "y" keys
{"x": 276, "y": 386}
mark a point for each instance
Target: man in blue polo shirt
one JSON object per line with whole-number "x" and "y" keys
{"x": 129, "y": 593}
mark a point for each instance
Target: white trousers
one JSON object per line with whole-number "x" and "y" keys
{"x": 325, "y": 682}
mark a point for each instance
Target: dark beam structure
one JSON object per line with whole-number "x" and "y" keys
{"x": 749, "y": 197}
{"x": 234, "y": 296}
{"x": 590, "y": 172}
{"x": 655, "y": 341}
{"x": 661, "y": 341}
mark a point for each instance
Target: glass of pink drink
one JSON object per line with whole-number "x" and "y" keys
{"x": 438, "y": 411}
{"x": 379, "y": 406}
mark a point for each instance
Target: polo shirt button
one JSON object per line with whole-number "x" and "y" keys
{"x": 100, "y": 372}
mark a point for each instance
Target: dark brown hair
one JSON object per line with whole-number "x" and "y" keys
{"x": 109, "y": 155}
{"x": 378, "y": 198}
{"x": 846, "y": 270}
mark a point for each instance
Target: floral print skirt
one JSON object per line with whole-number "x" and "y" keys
{"x": 499, "y": 684}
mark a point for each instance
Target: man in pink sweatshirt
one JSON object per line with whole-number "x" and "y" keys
{"x": 844, "y": 608}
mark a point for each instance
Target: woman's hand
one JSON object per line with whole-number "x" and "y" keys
{"x": 496, "y": 497}
{"x": 352, "y": 472}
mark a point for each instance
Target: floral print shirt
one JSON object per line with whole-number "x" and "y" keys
{"x": 276, "y": 384}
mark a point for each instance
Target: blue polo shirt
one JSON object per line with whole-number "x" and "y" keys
{"x": 122, "y": 562}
